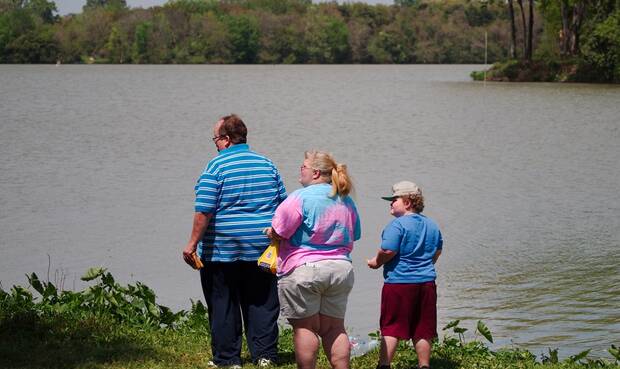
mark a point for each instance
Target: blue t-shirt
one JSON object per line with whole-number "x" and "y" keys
{"x": 415, "y": 239}
{"x": 242, "y": 189}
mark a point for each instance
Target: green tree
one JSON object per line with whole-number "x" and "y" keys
{"x": 116, "y": 47}
{"x": 208, "y": 41}
{"x": 46, "y": 10}
{"x": 281, "y": 39}
{"x": 194, "y": 6}
{"x": 13, "y": 23}
{"x": 276, "y": 6}
{"x": 160, "y": 40}
{"x": 24, "y": 37}
{"x": 141, "y": 42}
{"x": 479, "y": 15}
{"x": 33, "y": 47}
{"x": 97, "y": 24}
{"x": 601, "y": 50}
{"x": 43, "y": 9}
{"x": 395, "y": 43}
{"x": 327, "y": 39}
{"x": 70, "y": 35}
{"x": 244, "y": 37}
{"x": 360, "y": 34}
{"x": 108, "y": 4}
{"x": 405, "y": 2}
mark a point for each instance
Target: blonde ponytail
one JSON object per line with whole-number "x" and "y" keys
{"x": 334, "y": 173}
{"x": 341, "y": 183}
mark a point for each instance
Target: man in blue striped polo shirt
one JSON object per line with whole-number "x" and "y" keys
{"x": 236, "y": 197}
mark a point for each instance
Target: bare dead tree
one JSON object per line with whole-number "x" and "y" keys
{"x": 524, "y": 25}
{"x": 530, "y": 32}
{"x": 572, "y": 18}
{"x": 513, "y": 30}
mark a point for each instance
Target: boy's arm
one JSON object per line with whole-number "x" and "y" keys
{"x": 436, "y": 256}
{"x": 383, "y": 256}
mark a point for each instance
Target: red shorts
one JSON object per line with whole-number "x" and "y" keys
{"x": 409, "y": 311}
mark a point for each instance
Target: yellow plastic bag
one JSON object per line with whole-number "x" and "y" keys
{"x": 269, "y": 259}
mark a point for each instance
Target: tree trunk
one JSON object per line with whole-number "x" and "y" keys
{"x": 565, "y": 32}
{"x": 520, "y": 2}
{"x": 513, "y": 30}
{"x": 579, "y": 11}
{"x": 572, "y": 18}
{"x": 530, "y": 32}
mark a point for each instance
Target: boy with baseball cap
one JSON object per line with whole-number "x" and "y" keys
{"x": 410, "y": 246}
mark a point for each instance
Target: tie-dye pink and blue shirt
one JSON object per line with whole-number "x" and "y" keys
{"x": 315, "y": 227}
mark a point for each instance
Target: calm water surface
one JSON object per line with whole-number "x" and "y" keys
{"x": 98, "y": 164}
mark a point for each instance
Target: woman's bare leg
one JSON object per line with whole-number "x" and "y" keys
{"x": 335, "y": 341}
{"x": 306, "y": 341}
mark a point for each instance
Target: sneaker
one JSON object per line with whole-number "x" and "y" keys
{"x": 424, "y": 367}
{"x": 211, "y": 364}
{"x": 379, "y": 366}
{"x": 264, "y": 363}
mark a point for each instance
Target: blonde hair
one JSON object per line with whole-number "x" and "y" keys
{"x": 332, "y": 172}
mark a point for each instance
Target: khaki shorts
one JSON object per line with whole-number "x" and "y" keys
{"x": 319, "y": 287}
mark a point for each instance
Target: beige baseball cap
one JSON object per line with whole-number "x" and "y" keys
{"x": 403, "y": 188}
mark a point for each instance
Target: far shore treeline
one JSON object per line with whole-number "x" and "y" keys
{"x": 567, "y": 39}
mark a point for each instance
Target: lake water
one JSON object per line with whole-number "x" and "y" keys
{"x": 98, "y": 165}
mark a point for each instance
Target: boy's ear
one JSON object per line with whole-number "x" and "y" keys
{"x": 408, "y": 203}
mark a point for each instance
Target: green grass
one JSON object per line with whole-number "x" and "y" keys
{"x": 113, "y": 326}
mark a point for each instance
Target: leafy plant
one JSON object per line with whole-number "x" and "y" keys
{"x": 115, "y": 326}
{"x": 615, "y": 352}
{"x": 484, "y": 331}
{"x": 552, "y": 358}
{"x": 580, "y": 356}
{"x": 456, "y": 329}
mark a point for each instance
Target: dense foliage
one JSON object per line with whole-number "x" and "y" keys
{"x": 255, "y": 31}
{"x": 109, "y": 325}
{"x": 535, "y": 40}
{"x": 579, "y": 41}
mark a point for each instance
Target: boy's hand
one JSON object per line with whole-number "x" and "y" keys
{"x": 372, "y": 263}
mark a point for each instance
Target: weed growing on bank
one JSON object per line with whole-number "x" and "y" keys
{"x": 108, "y": 325}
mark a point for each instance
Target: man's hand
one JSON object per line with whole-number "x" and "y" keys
{"x": 187, "y": 253}
{"x": 201, "y": 220}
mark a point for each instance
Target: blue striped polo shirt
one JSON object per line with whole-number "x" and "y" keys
{"x": 242, "y": 190}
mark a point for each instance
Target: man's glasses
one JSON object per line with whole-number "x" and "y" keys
{"x": 216, "y": 138}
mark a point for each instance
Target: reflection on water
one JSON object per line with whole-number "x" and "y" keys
{"x": 98, "y": 165}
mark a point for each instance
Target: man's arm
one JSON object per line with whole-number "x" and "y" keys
{"x": 383, "y": 256}
{"x": 201, "y": 221}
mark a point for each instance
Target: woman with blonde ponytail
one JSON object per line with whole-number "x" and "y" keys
{"x": 316, "y": 226}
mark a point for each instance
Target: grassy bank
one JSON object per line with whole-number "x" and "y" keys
{"x": 112, "y": 326}
{"x": 542, "y": 71}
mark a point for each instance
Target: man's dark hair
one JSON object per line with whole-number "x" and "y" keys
{"x": 233, "y": 127}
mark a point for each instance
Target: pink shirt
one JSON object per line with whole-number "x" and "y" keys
{"x": 315, "y": 227}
